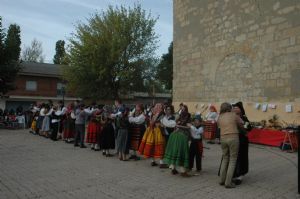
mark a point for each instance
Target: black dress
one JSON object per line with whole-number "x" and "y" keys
{"x": 107, "y": 137}
{"x": 242, "y": 163}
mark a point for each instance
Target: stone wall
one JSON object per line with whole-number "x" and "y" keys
{"x": 238, "y": 50}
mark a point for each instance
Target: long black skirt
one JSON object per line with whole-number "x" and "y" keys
{"x": 107, "y": 137}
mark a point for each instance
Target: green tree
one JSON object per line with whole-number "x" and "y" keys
{"x": 59, "y": 56}
{"x": 9, "y": 57}
{"x": 165, "y": 68}
{"x": 107, "y": 54}
{"x": 13, "y": 43}
{"x": 34, "y": 52}
{"x": 2, "y": 37}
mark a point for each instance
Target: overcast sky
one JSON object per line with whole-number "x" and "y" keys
{"x": 52, "y": 20}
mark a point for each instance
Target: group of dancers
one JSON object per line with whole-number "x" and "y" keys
{"x": 169, "y": 140}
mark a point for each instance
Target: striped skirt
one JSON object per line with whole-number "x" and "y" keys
{"x": 135, "y": 135}
{"x": 153, "y": 144}
{"x": 93, "y": 129}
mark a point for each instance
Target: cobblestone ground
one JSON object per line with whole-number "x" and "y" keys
{"x": 35, "y": 167}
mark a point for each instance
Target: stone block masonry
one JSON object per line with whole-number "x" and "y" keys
{"x": 237, "y": 51}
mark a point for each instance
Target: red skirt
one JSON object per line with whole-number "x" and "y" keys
{"x": 153, "y": 144}
{"x": 93, "y": 131}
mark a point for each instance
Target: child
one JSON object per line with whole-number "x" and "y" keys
{"x": 196, "y": 147}
{"x": 33, "y": 123}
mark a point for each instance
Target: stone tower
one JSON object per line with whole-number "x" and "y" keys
{"x": 238, "y": 50}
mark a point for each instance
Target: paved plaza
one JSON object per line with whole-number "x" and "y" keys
{"x": 34, "y": 167}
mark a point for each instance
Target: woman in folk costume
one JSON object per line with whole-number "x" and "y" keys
{"x": 122, "y": 125}
{"x": 107, "y": 136}
{"x": 34, "y": 123}
{"x": 242, "y": 164}
{"x": 93, "y": 130}
{"x": 69, "y": 124}
{"x": 40, "y": 119}
{"x": 177, "y": 151}
{"x": 196, "y": 146}
{"x": 153, "y": 142}
{"x": 212, "y": 118}
{"x": 168, "y": 121}
{"x": 212, "y": 115}
{"x": 136, "y": 129}
{"x": 46, "y": 112}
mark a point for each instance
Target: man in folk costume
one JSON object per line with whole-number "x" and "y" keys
{"x": 136, "y": 129}
{"x": 62, "y": 118}
{"x": 153, "y": 142}
{"x": 81, "y": 113}
{"x": 117, "y": 112}
{"x": 55, "y": 121}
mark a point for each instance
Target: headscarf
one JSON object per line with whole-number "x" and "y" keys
{"x": 241, "y": 107}
{"x": 213, "y": 108}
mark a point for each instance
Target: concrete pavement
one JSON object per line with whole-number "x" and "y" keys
{"x": 34, "y": 167}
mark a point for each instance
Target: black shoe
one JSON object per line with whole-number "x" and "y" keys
{"x": 174, "y": 171}
{"x": 154, "y": 164}
{"x": 137, "y": 158}
{"x": 75, "y": 145}
{"x": 103, "y": 153}
{"x": 237, "y": 181}
{"x": 163, "y": 166}
{"x": 185, "y": 175}
{"x": 133, "y": 157}
{"x": 109, "y": 155}
{"x": 230, "y": 186}
{"x": 82, "y": 146}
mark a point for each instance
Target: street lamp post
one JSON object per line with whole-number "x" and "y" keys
{"x": 63, "y": 91}
{"x": 153, "y": 94}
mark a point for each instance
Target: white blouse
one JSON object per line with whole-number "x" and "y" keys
{"x": 138, "y": 119}
{"x": 168, "y": 123}
{"x": 196, "y": 133}
{"x": 212, "y": 116}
